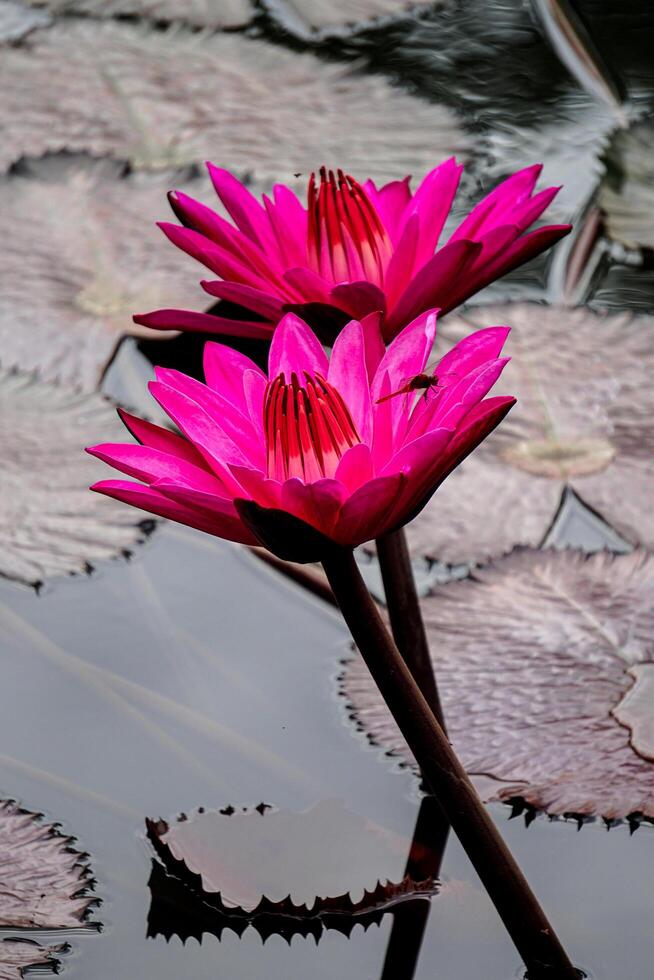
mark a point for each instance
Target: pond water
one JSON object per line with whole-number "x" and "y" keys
{"x": 193, "y": 675}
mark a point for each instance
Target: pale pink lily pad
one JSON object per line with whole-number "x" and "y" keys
{"x": 169, "y": 98}
{"x": 49, "y": 522}
{"x": 81, "y": 254}
{"x": 44, "y": 879}
{"x": 198, "y": 13}
{"x": 583, "y": 418}
{"x": 534, "y": 654}
{"x": 19, "y": 955}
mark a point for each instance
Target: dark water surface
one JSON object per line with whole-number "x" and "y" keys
{"x": 193, "y": 675}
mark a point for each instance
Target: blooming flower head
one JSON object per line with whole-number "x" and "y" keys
{"x": 354, "y": 249}
{"x": 320, "y": 452}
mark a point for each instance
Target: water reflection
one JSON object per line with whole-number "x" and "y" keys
{"x": 179, "y": 909}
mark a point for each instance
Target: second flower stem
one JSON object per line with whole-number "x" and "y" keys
{"x": 405, "y": 616}
{"x": 500, "y": 874}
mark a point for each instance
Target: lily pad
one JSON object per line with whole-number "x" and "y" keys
{"x": 162, "y": 99}
{"x": 49, "y": 522}
{"x": 536, "y": 656}
{"x": 627, "y": 192}
{"x": 583, "y": 419}
{"x": 84, "y": 255}
{"x": 198, "y": 13}
{"x": 18, "y": 955}
{"x": 268, "y": 862}
{"x": 328, "y": 15}
{"x": 44, "y": 879}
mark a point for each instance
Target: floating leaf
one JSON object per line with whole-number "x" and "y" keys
{"x": 18, "y": 955}
{"x": 627, "y": 193}
{"x": 84, "y": 256}
{"x": 534, "y": 655}
{"x": 327, "y": 15}
{"x": 583, "y": 418}
{"x": 44, "y": 879}
{"x": 266, "y": 862}
{"x": 17, "y": 20}
{"x": 199, "y": 13}
{"x": 49, "y": 522}
{"x": 170, "y": 98}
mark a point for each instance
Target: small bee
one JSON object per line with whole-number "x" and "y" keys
{"x": 421, "y": 382}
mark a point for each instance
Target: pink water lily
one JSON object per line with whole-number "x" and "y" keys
{"x": 355, "y": 249}
{"x": 322, "y": 450}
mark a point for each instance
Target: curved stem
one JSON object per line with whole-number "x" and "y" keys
{"x": 507, "y": 887}
{"x": 405, "y": 615}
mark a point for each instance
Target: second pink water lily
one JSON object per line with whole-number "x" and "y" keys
{"x": 353, "y": 250}
{"x": 320, "y": 450}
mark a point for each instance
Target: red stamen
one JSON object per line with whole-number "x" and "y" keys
{"x": 308, "y": 428}
{"x": 347, "y": 239}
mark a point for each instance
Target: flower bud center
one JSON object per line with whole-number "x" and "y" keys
{"x": 347, "y": 240}
{"x": 308, "y": 428}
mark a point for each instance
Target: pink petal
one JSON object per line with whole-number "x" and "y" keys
{"x": 373, "y": 343}
{"x": 203, "y": 323}
{"x": 477, "y": 425}
{"x": 154, "y": 502}
{"x": 429, "y": 288}
{"x": 254, "y": 390}
{"x": 454, "y": 401}
{"x": 402, "y": 265}
{"x": 232, "y": 419}
{"x": 260, "y": 302}
{"x": 288, "y": 220}
{"x": 523, "y": 249}
{"x": 198, "y": 499}
{"x": 365, "y": 515}
{"x": 296, "y": 349}
{"x": 149, "y": 465}
{"x": 358, "y": 299}
{"x": 308, "y": 285}
{"x": 225, "y": 262}
{"x": 405, "y": 357}
{"x": 469, "y": 391}
{"x": 524, "y": 215}
{"x": 246, "y": 212}
{"x": 390, "y": 202}
{"x": 476, "y": 348}
{"x": 197, "y": 425}
{"x": 432, "y": 202}
{"x": 355, "y": 468}
{"x": 419, "y": 455}
{"x": 155, "y": 436}
{"x": 347, "y": 372}
{"x": 502, "y": 199}
{"x": 224, "y": 371}
{"x": 316, "y": 503}
{"x": 199, "y": 218}
{"x": 257, "y": 486}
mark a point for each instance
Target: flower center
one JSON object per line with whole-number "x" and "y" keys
{"x": 308, "y": 428}
{"x": 346, "y": 237}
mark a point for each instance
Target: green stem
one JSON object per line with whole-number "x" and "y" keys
{"x": 405, "y": 615}
{"x": 507, "y": 887}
